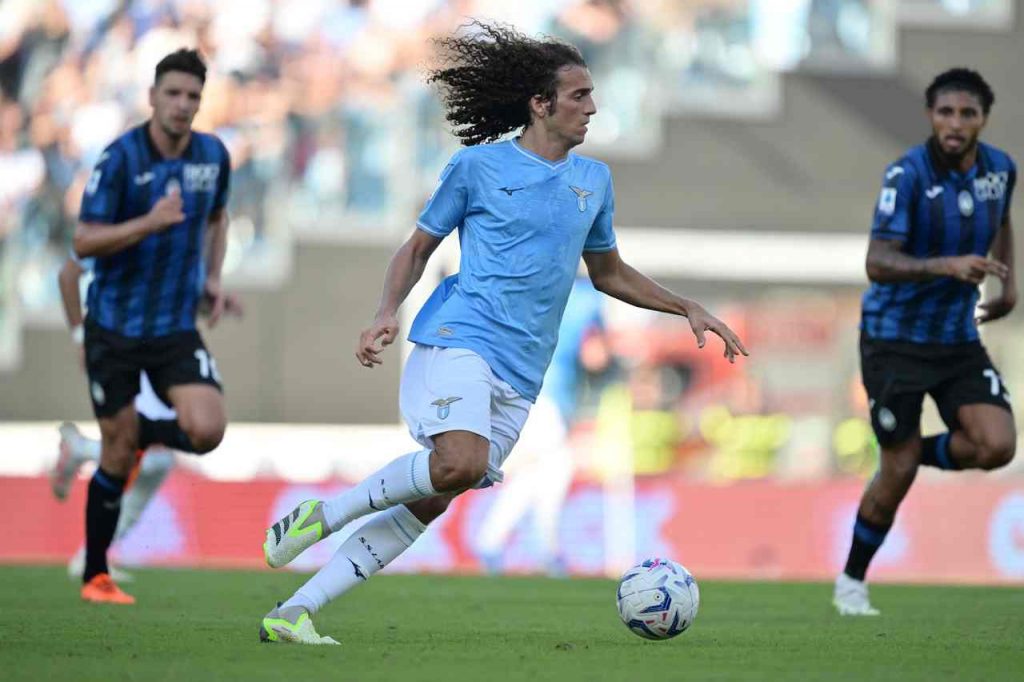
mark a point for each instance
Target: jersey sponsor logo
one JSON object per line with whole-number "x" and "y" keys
{"x": 581, "y": 197}
{"x": 887, "y": 201}
{"x": 510, "y": 190}
{"x": 893, "y": 172}
{"x": 144, "y": 178}
{"x": 201, "y": 177}
{"x": 965, "y": 202}
{"x": 992, "y": 187}
{"x": 933, "y": 192}
{"x": 444, "y": 405}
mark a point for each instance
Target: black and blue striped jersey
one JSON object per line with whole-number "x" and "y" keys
{"x": 153, "y": 288}
{"x": 936, "y": 211}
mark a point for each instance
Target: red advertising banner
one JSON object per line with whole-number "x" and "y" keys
{"x": 954, "y": 528}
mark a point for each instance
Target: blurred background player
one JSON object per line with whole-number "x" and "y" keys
{"x": 943, "y": 207}
{"x": 541, "y": 472}
{"x": 76, "y": 449}
{"x": 527, "y": 211}
{"x": 153, "y": 216}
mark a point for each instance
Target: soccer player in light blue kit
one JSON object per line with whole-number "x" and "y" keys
{"x": 526, "y": 210}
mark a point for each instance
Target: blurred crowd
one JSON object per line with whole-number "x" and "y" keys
{"x": 322, "y": 102}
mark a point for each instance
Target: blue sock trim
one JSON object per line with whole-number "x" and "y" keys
{"x": 107, "y": 483}
{"x": 942, "y": 452}
{"x": 868, "y": 535}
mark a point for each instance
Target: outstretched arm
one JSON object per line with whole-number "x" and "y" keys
{"x": 613, "y": 276}
{"x": 403, "y": 272}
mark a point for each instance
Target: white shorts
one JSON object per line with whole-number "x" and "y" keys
{"x": 149, "y": 405}
{"x": 454, "y": 389}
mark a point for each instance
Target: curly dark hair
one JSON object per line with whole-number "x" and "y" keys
{"x": 488, "y": 77}
{"x": 188, "y": 61}
{"x": 961, "y": 80}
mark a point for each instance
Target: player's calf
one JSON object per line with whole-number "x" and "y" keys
{"x": 429, "y": 508}
{"x": 459, "y": 461}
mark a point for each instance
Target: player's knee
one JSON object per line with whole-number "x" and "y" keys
{"x": 203, "y": 433}
{"x": 996, "y": 452}
{"x": 900, "y": 467}
{"x": 457, "y": 468}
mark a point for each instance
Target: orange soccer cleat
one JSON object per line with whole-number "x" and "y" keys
{"x": 101, "y": 589}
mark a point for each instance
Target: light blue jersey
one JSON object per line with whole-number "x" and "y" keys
{"x": 524, "y": 222}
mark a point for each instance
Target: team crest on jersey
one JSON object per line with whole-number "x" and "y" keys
{"x": 444, "y": 405}
{"x": 201, "y": 177}
{"x": 965, "y": 202}
{"x": 581, "y": 197}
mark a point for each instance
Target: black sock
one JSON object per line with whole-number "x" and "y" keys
{"x": 935, "y": 452}
{"x": 101, "y": 513}
{"x": 867, "y": 538}
{"x": 165, "y": 432}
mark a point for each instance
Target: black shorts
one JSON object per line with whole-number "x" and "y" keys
{"x": 897, "y": 375}
{"x": 114, "y": 362}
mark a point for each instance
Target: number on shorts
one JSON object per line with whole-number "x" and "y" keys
{"x": 207, "y": 365}
{"x": 994, "y": 383}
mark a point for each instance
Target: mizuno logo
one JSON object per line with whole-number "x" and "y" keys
{"x": 509, "y": 190}
{"x": 143, "y": 178}
{"x": 893, "y": 172}
{"x": 933, "y": 192}
{"x": 372, "y": 505}
{"x": 358, "y": 571}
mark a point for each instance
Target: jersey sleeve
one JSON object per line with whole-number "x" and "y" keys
{"x": 1011, "y": 182}
{"x": 220, "y": 199}
{"x": 446, "y": 208}
{"x": 102, "y": 196}
{"x": 895, "y": 203}
{"x": 601, "y": 237}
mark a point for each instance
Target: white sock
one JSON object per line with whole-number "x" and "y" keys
{"x": 156, "y": 464}
{"x": 87, "y": 449}
{"x": 405, "y": 479}
{"x": 370, "y": 548}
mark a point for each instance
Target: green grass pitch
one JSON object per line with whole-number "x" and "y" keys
{"x": 202, "y": 625}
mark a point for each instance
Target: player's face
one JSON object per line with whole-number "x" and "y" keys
{"x": 175, "y": 101}
{"x": 574, "y": 105}
{"x": 957, "y": 120}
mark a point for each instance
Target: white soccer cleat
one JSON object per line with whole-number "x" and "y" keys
{"x": 69, "y": 461}
{"x": 291, "y": 626}
{"x": 851, "y": 597}
{"x": 295, "y": 533}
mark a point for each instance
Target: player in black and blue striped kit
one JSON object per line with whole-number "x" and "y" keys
{"x": 944, "y": 209}
{"x": 153, "y": 216}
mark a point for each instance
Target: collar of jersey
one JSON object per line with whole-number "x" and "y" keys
{"x": 540, "y": 159}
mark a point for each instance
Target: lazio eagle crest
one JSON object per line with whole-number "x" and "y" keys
{"x": 581, "y": 197}
{"x": 444, "y": 406}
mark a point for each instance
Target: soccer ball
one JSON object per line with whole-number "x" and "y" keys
{"x": 658, "y": 599}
